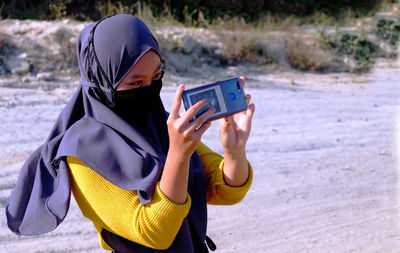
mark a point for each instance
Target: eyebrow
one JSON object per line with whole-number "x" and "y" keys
{"x": 133, "y": 77}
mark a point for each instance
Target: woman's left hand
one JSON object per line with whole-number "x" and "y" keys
{"x": 235, "y": 129}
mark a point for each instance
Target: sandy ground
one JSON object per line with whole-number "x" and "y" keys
{"x": 322, "y": 148}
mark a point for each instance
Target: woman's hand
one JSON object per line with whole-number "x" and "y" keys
{"x": 184, "y": 137}
{"x": 235, "y": 129}
{"x": 234, "y": 133}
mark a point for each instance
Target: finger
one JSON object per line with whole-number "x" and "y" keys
{"x": 248, "y": 118}
{"x": 191, "y": 112}
{"x": 176, "y": 104}
{"x": 202, "y": 129}
{"x": 250, "y": 111}
{"x": 197, "y": 123}
{"x": 248, "y": 98}
{"x": 243, "y": 80}
{"x": 225, "y": 123}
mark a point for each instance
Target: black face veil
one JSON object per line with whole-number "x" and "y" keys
{"x": 128, "y": 155}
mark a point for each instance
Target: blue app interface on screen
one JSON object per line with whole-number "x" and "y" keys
{"x": 211, "y": 97}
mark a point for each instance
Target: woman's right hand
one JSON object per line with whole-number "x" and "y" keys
{"x": 185, "y": 136}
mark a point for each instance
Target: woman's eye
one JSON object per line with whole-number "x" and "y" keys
{"x": 158, "y": 76}
{"x": 137, "y": 83}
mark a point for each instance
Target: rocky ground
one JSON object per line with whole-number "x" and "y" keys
{"x": 323, "y": 149}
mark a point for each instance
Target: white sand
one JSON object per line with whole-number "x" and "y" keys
{"x": 323, "y": 154}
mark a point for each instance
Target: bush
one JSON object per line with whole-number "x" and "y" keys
{"x": 361, "y": 50}
{"x": 388, "y": 30}
{"x": 306, "y": 57}
{"x": 66, "y": 57}
{"x": 181, "y": 10}
{"x": 244, "y": 46}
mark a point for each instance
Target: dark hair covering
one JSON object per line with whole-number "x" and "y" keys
{"x": 90, "y": 129}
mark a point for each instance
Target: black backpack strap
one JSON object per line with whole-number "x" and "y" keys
{"x": 210, "y": 244}
{"x": 199, "y": 245}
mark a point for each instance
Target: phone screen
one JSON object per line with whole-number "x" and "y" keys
{"x": 211, "y": 97}
{"x": 227, "y": 97}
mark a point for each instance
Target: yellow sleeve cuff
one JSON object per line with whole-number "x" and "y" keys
{"x": 167, "y": 208}
{"x": 221, "y": 193}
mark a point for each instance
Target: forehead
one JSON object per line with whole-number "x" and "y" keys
{"x": 148, "y": 64}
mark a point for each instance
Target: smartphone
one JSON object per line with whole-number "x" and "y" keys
{"x": 227, "y": 97}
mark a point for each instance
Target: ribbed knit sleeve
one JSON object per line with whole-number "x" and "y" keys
{"x": 218, "y": 192}
{"x": 154, "y": 225}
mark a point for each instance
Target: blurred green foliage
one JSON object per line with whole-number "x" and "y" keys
{"x": 181, "y": 10}
{"x": 362, "y": 50}
{"x": 389, "y": 30}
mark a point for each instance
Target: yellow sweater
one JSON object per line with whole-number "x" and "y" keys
{"x": 155, "y": 224}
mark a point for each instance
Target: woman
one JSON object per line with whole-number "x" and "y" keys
{"x": 141, "y": 176}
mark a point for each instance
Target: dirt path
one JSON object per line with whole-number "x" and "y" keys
{"x": 324, "y": 159}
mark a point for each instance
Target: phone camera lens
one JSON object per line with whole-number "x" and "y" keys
{"x": 238, "y": 87}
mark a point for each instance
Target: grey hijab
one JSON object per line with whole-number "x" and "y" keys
{"x": 90, "y": 130}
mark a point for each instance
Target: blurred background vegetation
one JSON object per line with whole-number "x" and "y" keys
{"x": 307, "y": 35}
{"x": 185, "y": 11}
